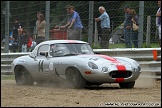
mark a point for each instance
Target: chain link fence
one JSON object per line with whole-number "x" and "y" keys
{"x": 26, "y": 12}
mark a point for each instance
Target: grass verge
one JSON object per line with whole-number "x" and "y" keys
{"x": 7, "y": 77}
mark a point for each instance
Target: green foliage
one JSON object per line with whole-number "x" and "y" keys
{"x": 152, "y": 45}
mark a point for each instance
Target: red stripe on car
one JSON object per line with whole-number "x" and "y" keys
{"x": 119, "y": 79}
{"x": 118, "y": 65}
{"x": 121, "y": 67}
{"x": 71, "y": 41}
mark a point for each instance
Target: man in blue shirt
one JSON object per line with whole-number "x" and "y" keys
{"x": 105, "y": 27}
{"x": 75, "y": 22}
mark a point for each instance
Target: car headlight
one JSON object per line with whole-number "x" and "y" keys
{"x": 138, "y": 66}
{"x": 105, "y": 69}
{"x": 138, "y": 69}
{"x": 92, "y": 65}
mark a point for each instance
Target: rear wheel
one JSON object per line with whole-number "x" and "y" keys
{"x": 127, "y": 84}
{"x": 75, "y": 78}
{"x": 22, "y": 76}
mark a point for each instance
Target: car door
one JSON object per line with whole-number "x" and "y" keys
{"x": 49, "y": 62}
{"x": 47, "y": 66}
{"x": 40, "y": 59}
{"x": 52, "y": 63}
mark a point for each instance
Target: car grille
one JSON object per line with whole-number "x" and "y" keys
{"x": 120, "y": 74}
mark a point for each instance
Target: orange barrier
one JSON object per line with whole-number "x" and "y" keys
{"x": 155, "y": 54}
{"x": 57, "y": 34}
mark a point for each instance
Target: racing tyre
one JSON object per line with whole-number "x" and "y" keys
{"x": 23, "y": 77}
{"x": 127, "y": 84}
{"x": 75, "y": 78}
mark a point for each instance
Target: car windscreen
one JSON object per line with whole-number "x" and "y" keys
{"x": 63, "y": 49}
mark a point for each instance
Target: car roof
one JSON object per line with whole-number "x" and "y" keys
{"x": 62, "y": 41}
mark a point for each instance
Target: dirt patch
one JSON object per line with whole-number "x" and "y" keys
{"x": 56, "y": 95}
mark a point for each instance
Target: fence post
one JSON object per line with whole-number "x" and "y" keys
{"x": 47, "y": 20}
{"x": 141, "y": 16}
{"x": 96, "y": 35}
{"x": 7, "y": 27}
{"x": 148, "y": 31}
{"x": 90, "y": 28}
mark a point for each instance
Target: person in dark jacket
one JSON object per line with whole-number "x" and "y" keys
{"x": 134, "y": 33}
{"x": 128, "y": 27}
{"x": 24, "y": 40}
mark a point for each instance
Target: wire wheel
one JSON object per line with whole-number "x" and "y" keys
{"x": 23, "y": 77}
{"x": 75, "y": 78}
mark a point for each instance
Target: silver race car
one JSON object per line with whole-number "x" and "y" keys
{"x": 75, "y": 62}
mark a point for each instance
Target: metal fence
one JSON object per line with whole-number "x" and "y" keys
{"x": 55, "y": 13}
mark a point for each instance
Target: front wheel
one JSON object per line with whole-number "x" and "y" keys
{"x": 127, "y": 84}
{"x": 75, "y": 78}
{"x": 22, "y": 76}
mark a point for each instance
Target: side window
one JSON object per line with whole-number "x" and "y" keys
{"x": 55, "y": 50}
{"x": 43, "y": 48}
{"x": 58, "y": 50}
{"x": 84, "y": 49}
{"x": 52, "y": 50}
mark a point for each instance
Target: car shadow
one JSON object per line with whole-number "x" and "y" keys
{"x": 102, "y": 87}
{"x": 67, "y": 86}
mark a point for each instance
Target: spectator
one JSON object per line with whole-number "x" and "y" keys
{"x": 41, "y": 29}
{"x": 105, "y": 27}
{"x": 26, "y": 41}
{"x": 75, "y": 20}
{"x": 17, "y": 32}
{"x": 158, "y": 21}
{"x": 36, "y": 27}
{"x": 128, "y": 27}
{"x": 134, "y": 33}
{"x": 32, "y": 45}
{"x": 29, "y": 44}
{"x": 11, "y": 41}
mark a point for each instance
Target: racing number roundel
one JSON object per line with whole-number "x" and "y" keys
{"x": 51, "y": 66}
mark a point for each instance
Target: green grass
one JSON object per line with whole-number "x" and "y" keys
{"x": 7, "y": 77}
{"x": 152, "y": 45}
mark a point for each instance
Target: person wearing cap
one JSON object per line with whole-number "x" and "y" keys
{"x": 105, "y": 27}
{"x": 128, "y": 27}
{"x": 74, "y": 24}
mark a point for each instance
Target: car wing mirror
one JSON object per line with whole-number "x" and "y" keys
{"x": 32, "y": 55}
{"x": 44, "y": 54}
{"x": 97, "y": 53}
